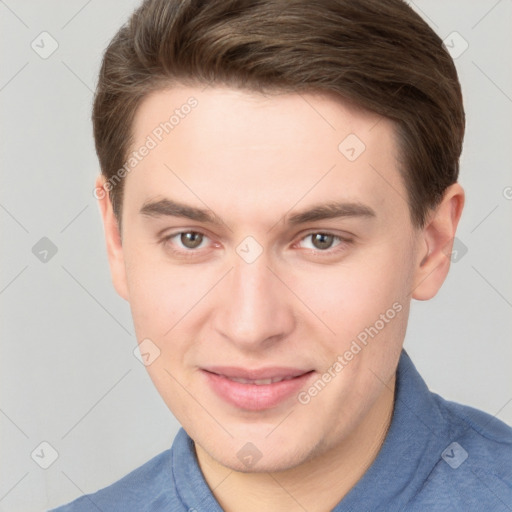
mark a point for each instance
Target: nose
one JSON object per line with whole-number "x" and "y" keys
{"x": 253, "y": 307}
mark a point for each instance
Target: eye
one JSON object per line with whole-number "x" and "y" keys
{"x": 323, "y": 241}
{"x": 189, "y": 240}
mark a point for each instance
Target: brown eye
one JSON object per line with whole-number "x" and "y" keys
{"x": 191, "y": 239}
{"x": 322, "y": 241}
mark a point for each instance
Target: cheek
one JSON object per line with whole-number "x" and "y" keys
{"x": 160, "y": 303}
{"x": 354, "y": 294}
{"x": 158, "y": 295}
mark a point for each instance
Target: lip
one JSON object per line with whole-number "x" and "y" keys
{"x": 252, "y": 396}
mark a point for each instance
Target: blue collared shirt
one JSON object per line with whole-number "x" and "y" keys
{"x": 437, "y": 456}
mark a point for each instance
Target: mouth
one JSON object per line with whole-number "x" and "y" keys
{"x": 258, "y": 382}
{"x": 258, "y": 389}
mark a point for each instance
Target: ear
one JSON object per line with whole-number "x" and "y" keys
{"x": 436, "y": 242}
{"x": 112, "y": 238}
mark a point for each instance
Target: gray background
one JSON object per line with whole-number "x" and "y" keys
{"x": 68, "y": 373}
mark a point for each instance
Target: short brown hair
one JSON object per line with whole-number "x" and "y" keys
{"x": 379, "y": 54}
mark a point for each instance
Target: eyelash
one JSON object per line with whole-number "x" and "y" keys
{"x": 191, "y": 253}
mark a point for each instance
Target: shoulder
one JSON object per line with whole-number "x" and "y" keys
{"x": 474, "y": 470}
{"x": 149, "y": 487}
{"x": 487, "y": 439}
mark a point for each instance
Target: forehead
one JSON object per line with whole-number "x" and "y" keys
{"x": 308, "y": 117}
{"x": 255, "y": 151}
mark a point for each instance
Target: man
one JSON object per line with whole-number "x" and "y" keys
{"x": 279, "y": 180}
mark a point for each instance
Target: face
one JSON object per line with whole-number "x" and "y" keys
{"x": 268, "y": 258}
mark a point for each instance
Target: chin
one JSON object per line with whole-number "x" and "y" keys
{"x": 260, "y": 456}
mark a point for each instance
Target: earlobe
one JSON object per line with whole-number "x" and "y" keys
{"x": 112, "y": 238}
{"x": 437, "y": 238}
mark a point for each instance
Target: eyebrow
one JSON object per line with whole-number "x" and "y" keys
{"x": 331, "y": 210}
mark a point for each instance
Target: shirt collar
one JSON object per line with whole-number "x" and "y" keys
{"x": 416, "y": 437}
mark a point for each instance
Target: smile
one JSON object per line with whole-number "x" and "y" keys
{"x": 256, "y": 390}
{"x": 258, "y": 382}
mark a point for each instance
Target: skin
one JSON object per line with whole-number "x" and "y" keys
{"x": 255, "y": 160}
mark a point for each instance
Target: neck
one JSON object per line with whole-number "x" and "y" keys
{"x": 318, "y": 484}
